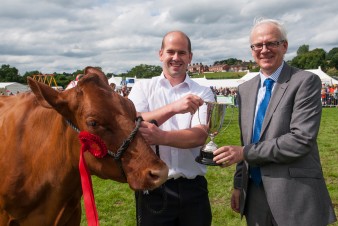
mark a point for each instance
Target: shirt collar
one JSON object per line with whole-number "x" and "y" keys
{"x": 274, "y": 76}
{"x": 187, "y": 81}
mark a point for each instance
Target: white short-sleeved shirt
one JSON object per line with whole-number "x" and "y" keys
{"x": 148, "y": 95}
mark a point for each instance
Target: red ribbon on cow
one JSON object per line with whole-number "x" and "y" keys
{"x": 95, "y": 145}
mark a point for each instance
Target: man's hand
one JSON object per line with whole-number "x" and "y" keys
{"x": 228, "y": 155}
{"x": 235, "y": 200}
{"x": 189, "y": 103}
{"x": 151, "y": 133}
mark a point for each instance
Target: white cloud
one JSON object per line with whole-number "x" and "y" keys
{"x": 64, "y": 36}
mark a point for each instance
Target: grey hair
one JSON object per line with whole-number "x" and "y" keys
{"x": 261, "y": 20}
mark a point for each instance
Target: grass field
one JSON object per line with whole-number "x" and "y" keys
{"x": 116, "y": 204}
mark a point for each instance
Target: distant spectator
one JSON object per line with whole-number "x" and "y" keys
{"x": 124, "y": 91}
{"x": 335, "y": 95}
{"x": 323, "y": 95}
{"x": 74, "y": 82}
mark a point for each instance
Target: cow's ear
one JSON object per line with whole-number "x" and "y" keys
{"x": 46, "y": 96}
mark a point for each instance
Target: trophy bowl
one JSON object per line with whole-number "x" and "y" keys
{"x": 214, "y": 121}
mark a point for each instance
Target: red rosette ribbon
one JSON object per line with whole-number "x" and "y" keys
{"x": 95, "y": 145}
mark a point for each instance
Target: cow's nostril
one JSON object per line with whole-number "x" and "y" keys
{"x": 158, "y": 176}
{"x": 154, "y": 174}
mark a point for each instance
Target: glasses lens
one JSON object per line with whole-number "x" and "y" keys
{"x": 272, "y": 44}
{"x": 268, "y": 45}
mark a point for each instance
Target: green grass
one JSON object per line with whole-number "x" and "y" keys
{"x": 116, "y": 205}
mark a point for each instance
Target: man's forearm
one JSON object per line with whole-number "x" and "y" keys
{"x": 160, "y": 115}
{"x": 187, "y": 138}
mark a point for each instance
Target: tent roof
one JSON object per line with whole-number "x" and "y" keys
{"x": 323, "y": 76}
{"x": 5, "y": 84}
{"x": 115, "y": 80}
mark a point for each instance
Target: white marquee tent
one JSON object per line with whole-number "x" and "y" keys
{"x": 116, "y": 81}
{"x": 324, "y": 77}
{"x": 12, "y": 87}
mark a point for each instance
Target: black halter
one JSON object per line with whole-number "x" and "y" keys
{"x": 118, "y": 154}
{"x": 126, "y": 143}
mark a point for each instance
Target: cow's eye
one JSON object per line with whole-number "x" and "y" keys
{"x": 92, "y": 123}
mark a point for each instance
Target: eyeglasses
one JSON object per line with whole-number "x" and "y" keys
{"x": 268, "y": 45}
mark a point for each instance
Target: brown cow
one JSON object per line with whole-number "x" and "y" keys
{"x": 39, "y": 151}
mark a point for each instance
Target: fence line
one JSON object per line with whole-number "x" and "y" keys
{"x": 329, "y": 100}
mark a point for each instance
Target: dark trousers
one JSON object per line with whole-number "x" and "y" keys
{"x": 180, "y": 202}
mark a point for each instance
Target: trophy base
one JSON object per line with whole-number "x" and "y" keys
{"x": 205, "y": 158}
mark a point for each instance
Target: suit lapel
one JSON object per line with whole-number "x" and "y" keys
{"x": 249, "y": 93}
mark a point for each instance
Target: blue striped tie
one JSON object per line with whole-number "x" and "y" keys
{"x": 255, "y": 172}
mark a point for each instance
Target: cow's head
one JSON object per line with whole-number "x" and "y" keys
{"x": 94, "y": 107}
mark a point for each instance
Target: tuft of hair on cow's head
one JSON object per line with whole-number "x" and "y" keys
{"x": 93, "y": 70}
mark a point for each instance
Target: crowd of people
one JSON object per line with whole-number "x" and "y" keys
{"x": 329, "y": 95}
{"x": 8, "y": 94}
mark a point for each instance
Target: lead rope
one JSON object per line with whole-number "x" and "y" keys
{"x": 140, "y": 194}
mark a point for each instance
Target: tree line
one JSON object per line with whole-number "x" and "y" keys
{"x": 305, "y": 59}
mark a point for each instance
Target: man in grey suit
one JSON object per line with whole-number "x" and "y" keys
{"x": 278, "y": 179}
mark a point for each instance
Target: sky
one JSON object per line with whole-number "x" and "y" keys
{"x": 65, "y": 36}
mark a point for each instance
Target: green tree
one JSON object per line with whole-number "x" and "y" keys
{"x": 144, "y": 71}
{"x": 334, "y": 61}
{"x": 9, "y": 74}
{"x": 332, "y": 57}
{"x": 333, "y": 72}
{"x": 230, "y": 61}
{"x": 110, "y": 74}
{"x": 30, "y": 74}
{"x": 310, "y": 60}
{"x": 302, "y": 50}
{"x": 63, "y": 80}
{"x": 332, "y": 53}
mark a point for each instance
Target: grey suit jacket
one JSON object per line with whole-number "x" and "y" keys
{"x": 287, "y": 152}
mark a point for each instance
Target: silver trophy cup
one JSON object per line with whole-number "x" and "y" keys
{"x": 214, "y": 121}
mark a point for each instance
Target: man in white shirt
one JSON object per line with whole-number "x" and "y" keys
{"x": 176, "y": 103}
